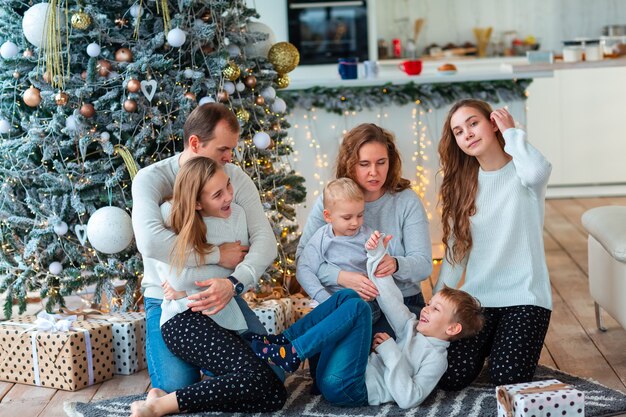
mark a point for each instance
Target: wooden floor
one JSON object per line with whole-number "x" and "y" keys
{"x": 573, "y": 343}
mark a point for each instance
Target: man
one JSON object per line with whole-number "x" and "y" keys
{"x": 212, "y": 131}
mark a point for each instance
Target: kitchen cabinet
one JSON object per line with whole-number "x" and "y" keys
{"x": 576, "y": 118}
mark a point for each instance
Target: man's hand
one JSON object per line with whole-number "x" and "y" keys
{"x": 212, "y": 300}
{"x": 359, "y": 283}
{"x": 379, "y": 338}
{"x": 170, "y": 293}
{"x": 231, "y": 254}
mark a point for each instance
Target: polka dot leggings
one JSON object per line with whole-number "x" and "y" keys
{"x": 512, "y": 339}
{"x": 241, "y": 381}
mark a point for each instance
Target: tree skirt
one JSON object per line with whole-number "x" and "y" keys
{"x": 477, "y": 400}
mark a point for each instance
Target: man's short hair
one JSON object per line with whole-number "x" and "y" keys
{"x": 203, "y": 120}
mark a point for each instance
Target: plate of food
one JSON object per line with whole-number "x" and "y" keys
{"x": 446, "y": 69}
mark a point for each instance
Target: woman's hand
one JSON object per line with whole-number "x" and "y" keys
{"x": 231, "y": 254}
{"x": 170, "y": 293}
{"x": 212, "y": 300}
{"x": 503, "y": 119}
{"x": 386, "y": 267}
{"x": 379, "y": 338}
{"x": 359, "y": 283}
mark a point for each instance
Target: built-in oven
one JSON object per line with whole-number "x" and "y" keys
{"x": 324, "y": 31}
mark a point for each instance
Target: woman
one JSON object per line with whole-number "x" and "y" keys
{"x": 493, "y": 196}
{"x": 203, "y": 216}
{"x": 368, "y": 155}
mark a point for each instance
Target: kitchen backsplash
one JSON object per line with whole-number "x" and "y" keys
{"x": 452, "y": 21}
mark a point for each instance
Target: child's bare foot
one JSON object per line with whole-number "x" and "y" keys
{"x": 158, "y": 403}
{"x": 155, "y": 393}
{"x": 140, "y": 409}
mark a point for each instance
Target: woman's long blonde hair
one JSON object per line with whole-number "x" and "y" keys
{"x": 348, "y": 156}
{"x": 185, "y": 220}
{"x": 460, "y": 184}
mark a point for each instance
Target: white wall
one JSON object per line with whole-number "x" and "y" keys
{"x": 274, "y": 14}
{"x": 551, "y": 21}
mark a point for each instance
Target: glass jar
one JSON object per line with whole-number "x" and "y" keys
{"x": 572, "y": 51}
{"x": 593, "y": 50}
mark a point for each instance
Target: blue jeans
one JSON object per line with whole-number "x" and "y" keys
{"x": 340, "y": 330}
{"x": 167, "y": 371}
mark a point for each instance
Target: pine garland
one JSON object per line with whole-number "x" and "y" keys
{"x": 341, "y": 99}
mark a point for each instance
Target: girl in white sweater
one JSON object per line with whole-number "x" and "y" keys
{"x": 493, "y": 196}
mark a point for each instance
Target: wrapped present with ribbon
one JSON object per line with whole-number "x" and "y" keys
{"x": 129, "y": 339}
{"x": 302, "y": 305}
{"x": 55, "y": 351}
{"x": 539, "y": 398}
{"x": 274, "y": 310}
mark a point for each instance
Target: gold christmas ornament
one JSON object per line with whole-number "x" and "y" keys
{"x": 284, "y": 56}
{"x": 206, "y": 16}
{"x": 243, "y": 115}
{"x": 259, "y": 101}
{"x": 81, "y": 20}
{"x": 282, "y": 81}
{"x": 231, "y": 71}
{"x": 222, "y": 96}
{"x": 250, "y": 81}
{"x": 61, "y": 98}
{"x": 104, "y": 67}
{"x": 32, "y": 97}
{"x": 130, "y": 105}
{"x": 133, "y": 85}
{"x": 190, "y": 96}
{"x": 87, "y": 110}
{"x": 124, "y": 55}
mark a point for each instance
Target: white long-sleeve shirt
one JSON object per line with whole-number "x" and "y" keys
{"x": 506, "y": 265}
{"x": 408, "y": 369}
{"x": 153, "y": 184}
{"x": 219, "y": 230}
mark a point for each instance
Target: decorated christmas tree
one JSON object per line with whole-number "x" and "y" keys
{"x": 92, "y": 91}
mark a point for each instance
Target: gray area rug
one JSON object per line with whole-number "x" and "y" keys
{"x": 477, "y": 400}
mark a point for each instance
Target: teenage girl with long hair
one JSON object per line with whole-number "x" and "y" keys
{"x": 202, "y": 214}
{"x": 493, "y": 197}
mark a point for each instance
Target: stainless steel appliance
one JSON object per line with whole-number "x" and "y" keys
{"x": 324, "y": 31}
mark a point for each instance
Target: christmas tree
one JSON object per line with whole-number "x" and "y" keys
{"x": 92, "y": 91}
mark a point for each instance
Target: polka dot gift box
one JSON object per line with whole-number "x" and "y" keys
{"x": 129, "y": 340}
{"x": 55, "y": 351}
{"x": 275, "y": 314}
{"x": 540, "y": 399}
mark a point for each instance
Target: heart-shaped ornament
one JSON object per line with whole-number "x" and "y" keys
{"x": 148, "y": 88}
{"x": 81, "y": 233}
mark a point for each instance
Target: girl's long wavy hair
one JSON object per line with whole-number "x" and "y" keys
{"x": 348, "y": 157}
{"x": 459, "y": 186}
{"x": 185, "y": 220}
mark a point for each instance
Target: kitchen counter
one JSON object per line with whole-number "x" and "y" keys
{"x": 476, "y": 69}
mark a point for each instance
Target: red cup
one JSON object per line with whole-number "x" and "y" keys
{"x": 411, "y": 67}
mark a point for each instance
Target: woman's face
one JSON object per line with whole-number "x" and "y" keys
{"x": 216, "y": 196}
{"x": 474, "y": 133}
{"x": 371, "y": 169}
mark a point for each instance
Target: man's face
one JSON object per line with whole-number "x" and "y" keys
{"x": 220, "y": 149}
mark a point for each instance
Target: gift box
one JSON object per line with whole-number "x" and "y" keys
{"x": 55, "y": 351}
{"x": 540, "y": 398}
{"x": 129, "y": 340}
{"x": 299, "y": 312}
{"x": 275, "y": 314}
{"x": 302, "y": 305}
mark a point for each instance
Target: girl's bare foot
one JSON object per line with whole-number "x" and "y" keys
{"x": 157, "y": 403}
{"x": 155, "y": 393}
{"x": 140, "y": 409}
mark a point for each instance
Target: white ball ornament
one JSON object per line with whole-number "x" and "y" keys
{"x": 136, "y": 10}
{"x": 188, "y": 73}
{"x": 205, "y": 100}
{"x": 105, "y": 136}
{"x": 234, "y": 51}
{"x": 110, "y": 230}
{"x": 260, "y": 48}
{"x": 34, "y": 22}
{"x": 5, "y": 126}
{"x": 61, "y": 228}
{"x": 261, "y": 140}
{"x": 93, "y": 50}
{"x": 268, "y": 93}
{"x": 176, "y": 37}
{"x": 279, "y": 106}
{"x": 240, "y": 86}
{"x": 55, "y": 268}
{"x": 229, "y": 87}
{"x": 8, "y": 50}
